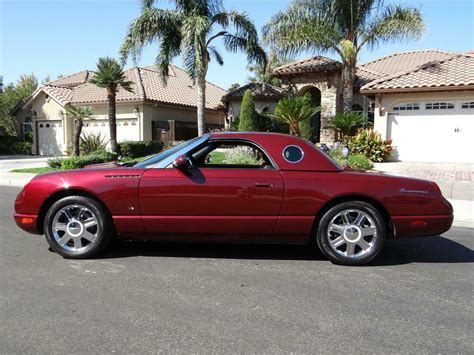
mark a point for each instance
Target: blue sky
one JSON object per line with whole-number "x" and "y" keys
{"x": 52, "y": 37}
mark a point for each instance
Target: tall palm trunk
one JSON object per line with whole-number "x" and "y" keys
{"x": 111, "y": 93}
{"x": 77, "y": 136}
{"x": 348, "y": 78}
{"x": 295, "y": 129}
{"x": 201, "y": 105}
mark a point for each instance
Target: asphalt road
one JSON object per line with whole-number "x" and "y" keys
{"x": 417, "y": 297}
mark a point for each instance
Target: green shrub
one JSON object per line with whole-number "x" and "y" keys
{"x": 139, "y": 149}
{"x": 248, "y": 117}
{"x": 55, "y": 163}
{"x": 241, "y": 155}
{"x": 346, "y": 124}
{"x": 371, "y": 144}
{"x": 97, "y": 157}
{"x": 22, "y": 147}
{"x": 359, "y": 162}
{"x": 337, "y": 155}
{"x": 91, "y": 142}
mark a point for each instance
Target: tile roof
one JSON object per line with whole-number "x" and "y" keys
{"x": 259, "y": 90}
{"x": 147, "y": 86}
{"x": 371, "y": 71}
{"x": 403, "y": 61}
{"x": 309, "y": 65}
{"x": 454, "y": 72}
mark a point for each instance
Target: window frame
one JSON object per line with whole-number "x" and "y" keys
{"x": 290, "y": 146}
{"x": 407, "y": 106}
{"x": 237, "y": 141}
{"x": 439, "y": 105}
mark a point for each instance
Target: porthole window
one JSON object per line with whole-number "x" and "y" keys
{"x": 410, "y": 106}
{"x": 439, "y": 106}
{"x": 293, "y": 154}
{"x": 467, "y": 105}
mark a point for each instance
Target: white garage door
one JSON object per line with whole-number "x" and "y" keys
{"x": 441, "y": 135}
{"x": 127, "y": 129}
{"x": 50, "y": 137}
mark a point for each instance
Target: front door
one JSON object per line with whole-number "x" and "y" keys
{"x": 232, "y": 189}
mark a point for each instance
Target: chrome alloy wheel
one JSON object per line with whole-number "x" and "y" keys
{"x": 352, "y": 233}
{"x": 75, "y": 228}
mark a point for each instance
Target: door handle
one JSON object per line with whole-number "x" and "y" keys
{"x": 264, "y": 184}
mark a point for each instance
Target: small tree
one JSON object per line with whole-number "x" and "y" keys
{"x": 294, "y": 110}
{"x": 248, "y": 118}
{"x": 110, "y": 75}
{"x": 78, "y": 113}
{"x": 346, "y": 124}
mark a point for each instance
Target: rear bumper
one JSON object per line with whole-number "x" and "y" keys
{"x": 27, "y": 222}
{"x": 421, "y": 226}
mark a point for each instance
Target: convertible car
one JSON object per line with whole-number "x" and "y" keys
{"x": 232, "y": 187}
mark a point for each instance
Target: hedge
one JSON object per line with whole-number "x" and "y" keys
{"x": 139, "y": 149}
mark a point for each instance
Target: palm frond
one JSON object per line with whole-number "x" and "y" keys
{"x": 152, "y": 25}
{"x": 393, "y": 23}
{"x": 109, "y": 74}
{"x": 213, "y": 52}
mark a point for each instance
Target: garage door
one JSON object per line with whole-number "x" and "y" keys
{"x": 127, "y": 129}
{"x": 445, "y": 136}
{"x": 50, "y": 137}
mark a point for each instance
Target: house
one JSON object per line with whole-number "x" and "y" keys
{"x": 422, "y": 100}
{"x": 265, "y": 96}
{"x": 428, "y": 110}
{"x": 153, "y": 111}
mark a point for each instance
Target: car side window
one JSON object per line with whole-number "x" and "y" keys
{"x": 231, "y": 155}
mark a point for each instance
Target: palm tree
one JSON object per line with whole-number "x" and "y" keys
{"x": 188, "y": 30}
{"x": 78, "y": 113}
{"x": 293, "y": 110}
{"x": 343, "y": 27}
{"x": 346, "y": 124}
{"x": 110, "y": 75}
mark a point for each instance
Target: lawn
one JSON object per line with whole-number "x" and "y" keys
{"x": 42, "y": 170}
{"x": 47, "y": 169}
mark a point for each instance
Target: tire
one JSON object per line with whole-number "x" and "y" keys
{"x": 351, "y": 233}
{"x": 77, "y": 227}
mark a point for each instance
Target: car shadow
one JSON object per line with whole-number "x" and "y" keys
{"x": 434, "y": 249}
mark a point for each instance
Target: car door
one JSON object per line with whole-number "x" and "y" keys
{"x": 211, "y": 199}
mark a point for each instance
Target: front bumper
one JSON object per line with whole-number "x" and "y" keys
{"x": 27, "y": 222}
{"x": 421, "y": 226}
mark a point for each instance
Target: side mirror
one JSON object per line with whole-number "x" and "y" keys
{"x": 181, "y": 162}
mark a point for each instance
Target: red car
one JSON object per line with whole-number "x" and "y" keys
{"x": 232, "y": 187}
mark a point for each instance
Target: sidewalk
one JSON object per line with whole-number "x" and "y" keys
{"x": 456, "y": 182}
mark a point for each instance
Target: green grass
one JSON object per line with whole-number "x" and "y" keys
{"x": 47, "y": 169}
{"x": 217, "y": 157}
{"x": 42, "y": 170}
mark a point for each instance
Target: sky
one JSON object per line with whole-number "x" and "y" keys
{"x": 61, "y": 37}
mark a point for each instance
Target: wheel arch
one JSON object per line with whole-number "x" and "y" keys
{"x": 61, "y": 194}
{"x": 353, "y": 197}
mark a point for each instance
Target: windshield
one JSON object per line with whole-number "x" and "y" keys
{"x": 155, "y": 159}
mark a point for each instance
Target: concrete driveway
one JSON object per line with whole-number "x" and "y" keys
{"x": 416, "y": 298}
{"x": 11, "y": 162}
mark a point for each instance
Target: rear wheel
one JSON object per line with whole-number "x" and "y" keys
{"x": 351, "y": 233}
{"x": 77, "y": 227}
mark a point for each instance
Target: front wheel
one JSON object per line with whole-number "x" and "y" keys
{"x": 351, "y": 233}
{"x": 77, "y": 227}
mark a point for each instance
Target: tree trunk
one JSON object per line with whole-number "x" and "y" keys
{"x": 201, "y": 105}
{"x": 112, "y": 120}
{"x": 348, "y": 78}
{"x": 295, "y": 129}
{"x": 77, "y": 136}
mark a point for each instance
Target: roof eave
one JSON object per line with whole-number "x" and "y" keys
{"x": 417, "y": 89}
